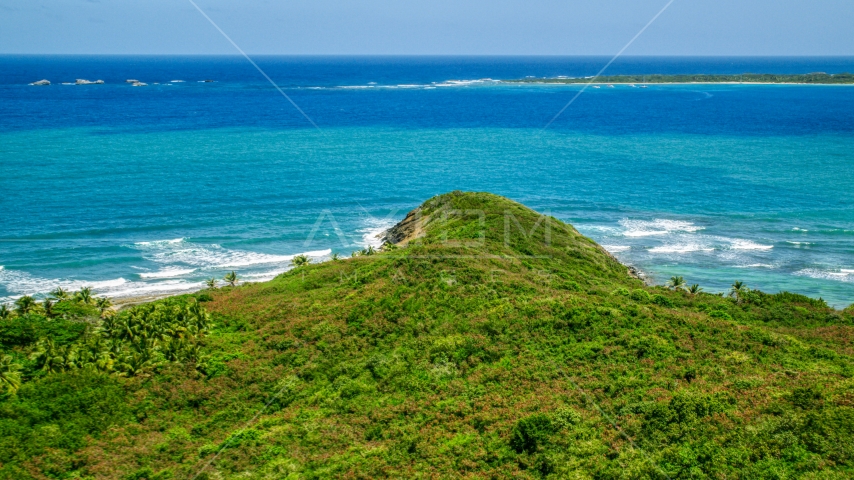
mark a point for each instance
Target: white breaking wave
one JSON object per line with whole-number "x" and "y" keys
{"x": 681, "y": 248}
{"x": 22, "y": 283}
{"x": 463, "y": 83}
{"x": 616, "y": 248}
{"x": 168, "y": 273}
{"x": 748, "y": 245}
{"x": 842, "y": 275}
{"x": 137, "y": 289}
{"x": 212, "y": 256}
{"x": 179, "y": 259}
{"x": 372, "y": 232}
{"x": 755, "y": 265}
{"x": 658, "y": 226}
{"x": 155, "y": 243}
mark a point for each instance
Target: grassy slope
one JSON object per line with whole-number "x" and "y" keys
{"x": 441, "y": 359}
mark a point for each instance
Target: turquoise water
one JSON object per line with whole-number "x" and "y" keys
{"x": 137, "y": 191}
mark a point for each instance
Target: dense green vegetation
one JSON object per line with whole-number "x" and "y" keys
{"x": 809, "y": 78}
{"x": 499, "y": 343}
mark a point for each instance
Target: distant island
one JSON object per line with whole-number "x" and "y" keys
{"x": 817, "y": 78}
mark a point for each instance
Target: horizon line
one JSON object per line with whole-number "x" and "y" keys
{"x": 446, "y": 55}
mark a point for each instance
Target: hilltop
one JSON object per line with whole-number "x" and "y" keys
{"x": 484, "y": 340}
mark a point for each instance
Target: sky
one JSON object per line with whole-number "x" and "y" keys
{"x": 434, "y": 27}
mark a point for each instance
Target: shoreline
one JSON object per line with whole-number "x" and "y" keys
{"x": 125, "y": 302}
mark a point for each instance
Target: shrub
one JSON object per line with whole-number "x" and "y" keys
{"x": 639, "y": 295}
{"x": 531, "y": 432}
{"x": 720, "y": 314}
{"x": 565, "y": 417}
{"x": 789, "y": 297}
{"x": 204, "y": 297}
{"x": 661, "y": 300}
{"x": 72, "y": 405}
{"x": 25, "y": 330}
{"x": 806, "y": 398}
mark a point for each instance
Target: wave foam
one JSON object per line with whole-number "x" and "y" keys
{"x": 748, "y": 245}
{"x": 23, "y": 283}
{"x": 155, "y": 243}
{"x": 658, "y": 226}
{"x": 681, "y": 248}
{"x": 167, "y": 273}
{"x": 616, "y": 248}
{"x": 179, "y": 253}
{"x": 171, "y": 287}
{"x": 843, "y": 275}
{"x": 179, "y": 259}
{"x": 372, "y": 232}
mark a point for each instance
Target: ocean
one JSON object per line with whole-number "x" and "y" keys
{"x": 151, "y": 190}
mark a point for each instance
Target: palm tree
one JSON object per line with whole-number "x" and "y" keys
{"x": 60, "y": 294}
{"x": 676, "y": 283}
{"x": 335, "y": 257}
{"x": 26, "y": 304}
{"x": 230, "y": 278}
{"x": 10, "y": 375}
{"x": 4, "y": 312}
{"x": 84, "y": 296}
{"x": 211, "y": 283}
{"x": 47, "y": 356}
{"x": 47, "y": 306}
{"x": 738, "y": 290}
{"x": 368, "y": 251}
{"x": 300, "y": 260}
{"x": 695, "y": 289}
{"x": 172, "y": 349}
{"x": 134, "y": 363}
{"x": 103, "y": 305}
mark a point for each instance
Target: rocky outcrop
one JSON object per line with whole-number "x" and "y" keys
{"x": 83, "y": 81}
{"x": 41, "y": 82}
{"x": 406, "y": 230}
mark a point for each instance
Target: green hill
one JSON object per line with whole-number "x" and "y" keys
{"x": 492, "y": 342}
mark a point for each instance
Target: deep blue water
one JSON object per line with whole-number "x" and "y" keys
{"x": 152, "y": 189}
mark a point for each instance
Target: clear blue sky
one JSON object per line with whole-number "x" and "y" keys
{"x": 503, "y": 27}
